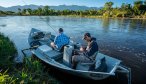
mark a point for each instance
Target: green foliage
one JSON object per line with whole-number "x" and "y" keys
{"x": 139, "y": 7}
{"x": 108, "y": 9}
{"x": 45, "y": 10}
{"x": 145, "y": 14}
{"x": 106, "y": 14}
{"x": 145, "y": 2}
{"x": 33, "y": 72}
{"x": 126, "y": 10}
{"x": 7, "y": 52}
{"x": 6, "y": 79}
{"x": 108, "y": 5}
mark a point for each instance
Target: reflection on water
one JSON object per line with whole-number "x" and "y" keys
{"x": 120, "y": 38}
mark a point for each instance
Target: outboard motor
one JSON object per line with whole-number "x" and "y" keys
{"x": 67, "y": 55}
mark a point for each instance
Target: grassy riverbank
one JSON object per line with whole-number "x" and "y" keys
{"x": 96, "y": 16}
{"x": 7, "y": 52}
{"x": 30, "y": 71}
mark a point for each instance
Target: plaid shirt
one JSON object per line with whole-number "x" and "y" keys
{"x": 61, "y": 40}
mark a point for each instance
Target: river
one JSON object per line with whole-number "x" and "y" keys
{"x": 124, "y": 39}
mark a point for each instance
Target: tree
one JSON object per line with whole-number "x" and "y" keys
{"x": 126, "y": 6}
{"x": 39, "y": 11}
{"x": 23, "y": 12}
{"x": 19, "y": 11}
{"x": 123, "y": 6}
{"x": 125, "y": 10}
{"x": 136, "y": 7}
{"x": 108, "y": 8}
{"x": 145, "y": 2}
{"x": 2, "y": 13}
{"x": 138, "y": 2}
{"x": 29, "y": 11}
{"x": 108, "y": 5}
{"x": 45, "y": 10}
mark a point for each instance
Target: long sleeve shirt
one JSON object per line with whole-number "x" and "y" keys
{"x": 61, "y": 40}
{"x": 92, "y": 48}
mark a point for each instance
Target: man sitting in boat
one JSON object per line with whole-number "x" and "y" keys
{"x": 88, "y": 52}
{"x": 60, "y": 40}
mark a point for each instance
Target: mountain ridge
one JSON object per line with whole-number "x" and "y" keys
{"x": 60, "y": 7}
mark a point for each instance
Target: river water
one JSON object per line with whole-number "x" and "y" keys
{"x": 124, "y": 39}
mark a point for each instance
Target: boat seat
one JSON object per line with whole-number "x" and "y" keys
{"x": 47, "y": 51}
{"x": 86, "y": 66}
{"x": 112, "y": 63}
{"x": 98, "y": 65}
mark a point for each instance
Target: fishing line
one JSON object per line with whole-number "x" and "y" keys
{"x": 39, "y": 16}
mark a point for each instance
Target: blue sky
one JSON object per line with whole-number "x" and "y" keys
{"x": 89, "y": 3}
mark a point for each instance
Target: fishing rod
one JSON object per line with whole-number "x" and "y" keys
{"x": 73, "y": 36}
{"x": 47, "y": 23}
{"x": 51, "y": 26}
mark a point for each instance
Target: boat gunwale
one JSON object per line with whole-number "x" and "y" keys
{"x": 68, "y": 68}
{"x": 112, "y": 72}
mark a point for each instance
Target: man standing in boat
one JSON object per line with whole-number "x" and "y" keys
{"x": 88, "y": 53}
{"x": 60, "y": 40}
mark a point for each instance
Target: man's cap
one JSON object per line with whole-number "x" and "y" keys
{"x": 86, "y": 34}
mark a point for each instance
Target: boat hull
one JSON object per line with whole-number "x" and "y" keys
{"x": 82, "y": 73}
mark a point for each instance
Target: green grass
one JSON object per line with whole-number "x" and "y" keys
{"x": 6, "y": 79}
{"x": 7, "y": 52}
{"x": 33, "y": 71}
{"x": 30, "y": 71}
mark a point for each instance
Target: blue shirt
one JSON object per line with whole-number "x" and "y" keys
{"x": 61, "y": 40}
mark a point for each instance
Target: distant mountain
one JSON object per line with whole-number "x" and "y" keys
{"x": 72, "y": 7}
{"x": 15, "y": 8}
{"x": 60, "y": 7}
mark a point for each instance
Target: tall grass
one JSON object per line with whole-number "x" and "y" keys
{"x": 7, "y": 52}
{"x": 6, "y": 79}
{"x": 31, "y": 71}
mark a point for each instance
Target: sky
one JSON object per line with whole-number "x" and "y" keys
{"x": 89, "y": 3}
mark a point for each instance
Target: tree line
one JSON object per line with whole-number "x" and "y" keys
{"x": 138, "y": 10}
